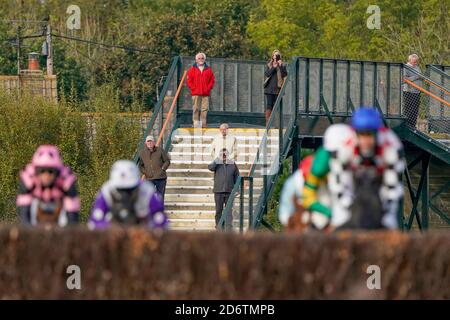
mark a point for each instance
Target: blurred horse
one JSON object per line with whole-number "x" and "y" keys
{"x": 303, "y": 220}
{"x": 300, "y": 221}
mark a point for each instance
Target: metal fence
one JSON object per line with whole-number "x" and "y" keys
{"x": 427, "y": 98}
{"x": 249, "y": 198}
{"x": 238, "y": 85}
{"x": 338, "y": 86}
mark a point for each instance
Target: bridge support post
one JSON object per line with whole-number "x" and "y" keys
{"x": 296, "y": 150}
{"x": 425, "y": 191}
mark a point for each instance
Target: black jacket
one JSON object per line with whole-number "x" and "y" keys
{"x": 225, "y": 175}
{"x": 272, "y": 78}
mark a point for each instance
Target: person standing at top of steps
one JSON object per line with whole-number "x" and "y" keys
{"x": 224, "y": 141}
{"x": 200, "y": 81}
{"x": 411, "y": 95}
{"x": 153, "y": 164}
{"x": 275, "y": 73}
{"x": 226, "y": 173}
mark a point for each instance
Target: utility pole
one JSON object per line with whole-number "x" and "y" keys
{"x": 18, "y": 49}
{"x": 49, "y": 51}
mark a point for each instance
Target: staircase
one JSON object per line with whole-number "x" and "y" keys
{"x": 189, "y": 198}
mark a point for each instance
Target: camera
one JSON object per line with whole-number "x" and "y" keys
{"x": 277, "y": 57}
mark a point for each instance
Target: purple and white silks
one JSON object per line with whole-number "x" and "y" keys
{"x": 149, "y": 206}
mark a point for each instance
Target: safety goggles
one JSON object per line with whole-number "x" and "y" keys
{"x": 46, "y": 170}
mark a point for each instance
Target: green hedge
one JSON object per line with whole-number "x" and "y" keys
{"x": 88, "y": 147}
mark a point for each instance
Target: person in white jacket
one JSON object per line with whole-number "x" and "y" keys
{"x": 224, "y": 140}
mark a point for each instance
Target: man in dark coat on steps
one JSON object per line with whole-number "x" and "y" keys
{"x": 226, "y": 173}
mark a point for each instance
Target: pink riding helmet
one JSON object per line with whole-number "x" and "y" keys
{"x": 47, "y": 156}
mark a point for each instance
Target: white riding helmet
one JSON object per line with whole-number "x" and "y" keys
{"x": 124, "y": 175}
{"x": 336, "y": 135}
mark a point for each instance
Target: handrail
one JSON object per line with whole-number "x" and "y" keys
{"x": 429, "y": 81}
{"x": 427, "y": 92}
{"x": 392, "y": 63}
{"x": 229, "y": 204}
{"x": 446, "y": 91}
{"x": 276, "y": 110}
{"x": 171, "y": 108}
{"x": 158, "y": 106}
{"x": 269, "y": 123}
{"x": 441, "y": 72}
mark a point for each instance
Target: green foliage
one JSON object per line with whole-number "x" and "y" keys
{"x": 160, "y": 28}
{"x": 89, "y": 144}
{"x": 72, "y": 79}
{"x": 338, "y": 29}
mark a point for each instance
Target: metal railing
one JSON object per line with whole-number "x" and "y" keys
{"x": 336, "y": 86}
{"x": 161, "y": 110}
{"x": 431, "y": 106}
{"x": 238, "y": 85}
{"x": 272, "y": 151}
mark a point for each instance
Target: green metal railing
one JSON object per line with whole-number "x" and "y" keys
{"x": 161, "y": 108}
{"x": 336, "y": 86}
{"x": 272, "y": 151}
{"x": 435, "y": 100}
{"x": 238, "y": 85}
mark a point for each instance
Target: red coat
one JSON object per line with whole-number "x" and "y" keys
{"x": 200, "y": 83}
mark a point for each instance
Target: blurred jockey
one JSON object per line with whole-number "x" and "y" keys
{"x": 291, "y": 212}
{"x": 47, "y": 190}
{"x": 125, "y": 199}
{"x": 363, "y": 163}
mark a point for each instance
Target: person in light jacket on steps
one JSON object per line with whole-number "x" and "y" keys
{"x": 226, "y": 173}
{"x": 224, "y": 141}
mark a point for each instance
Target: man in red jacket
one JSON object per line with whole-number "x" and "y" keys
{"x": 200, "y": 81}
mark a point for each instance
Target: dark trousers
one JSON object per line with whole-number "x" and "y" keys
{"x": 160, "y": 185}
{"x": 270, "y": 101}
{"x": 221, "y": 199}
{"x": 411, "y": 103}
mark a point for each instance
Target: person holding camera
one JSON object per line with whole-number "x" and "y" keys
{"x": 275, "y": 72}
{"x": 226, "y": 173}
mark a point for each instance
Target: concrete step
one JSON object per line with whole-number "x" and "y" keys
{"x": 193, "y": 163}
{"x": 199, "y": 164}
{"x": 189, "y": 206}
{"x": 252, "y": 139}
{"x": 176, "y": 189}
{"x": 205, "y": 147}
{"x": 199, "y": 206}
{"x": 182, "y": 190}
{"x": 189, "y": 181}
{"x": 193, "y": 223}
{"x": 201, "y": 181}
{"x": 186, "y": 154}
{"x": 190, "y": 214}
{"x": 238, "y": 133}
{"x": 192, "y": 229}
{"x": 197, "y": 173}
{"x": 192, "y": 197}
{"x": 200, "y": 223}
